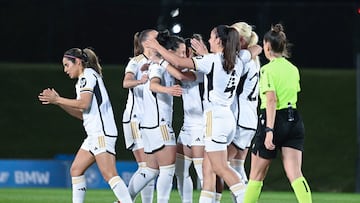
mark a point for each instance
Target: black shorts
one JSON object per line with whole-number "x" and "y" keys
{"x": 286, "y": 133}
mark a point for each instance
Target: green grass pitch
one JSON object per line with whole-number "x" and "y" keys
{"x": 41, "y": 195}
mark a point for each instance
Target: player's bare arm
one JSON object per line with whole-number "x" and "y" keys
{"x": 174, "y": 90}
{"x": 175, "y": 60}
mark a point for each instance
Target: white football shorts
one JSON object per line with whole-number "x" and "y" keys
{"x": 132, "y": 136}
{"x": 220, "y": 128}
{"x": 243, "y": 137}
{"x": 99, "y": 144}
{"x": 192, "y": 136}
{"x": 156, "y": 138}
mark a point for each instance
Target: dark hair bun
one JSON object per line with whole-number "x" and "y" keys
{"x": 163, "y": 36}
{"x": 277, "y": 28}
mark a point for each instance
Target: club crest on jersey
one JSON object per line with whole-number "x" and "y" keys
{"x": 82, "y": 82}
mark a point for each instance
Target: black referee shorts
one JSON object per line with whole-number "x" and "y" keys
{"x": 286, "y": 133}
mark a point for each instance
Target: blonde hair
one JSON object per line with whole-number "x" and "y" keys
{"x": 246, "y": 32}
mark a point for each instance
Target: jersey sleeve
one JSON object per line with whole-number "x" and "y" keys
{"x": 266, "y": 81}
{"x": 298, "y": 88}
{"x": 156, "y": 71}
{"x": 203, "y": 63}
{"x": 87, "y": 81}
{"x": 131, "y": 67}
{"x": 244, "y": 55}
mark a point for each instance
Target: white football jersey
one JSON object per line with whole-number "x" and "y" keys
{"x": 220, "y": 86}
{"x": 98, "y": 119}
{"x": 192, "y": 100}
{"x": 134, "y": 106}
{"x": 158, "y": 107}
{"x": 246, "y": 102}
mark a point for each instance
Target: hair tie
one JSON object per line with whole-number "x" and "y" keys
{"x": 70, "y": 56}
{"x": 84, "y": 56}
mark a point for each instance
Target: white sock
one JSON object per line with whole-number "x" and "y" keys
{"x": 218, "y": 197}
{"x": 238, "y": 191}
{"x": 141, "y": 166}
{"x": 198, "y": 168}
{"x": 140, "y": 180}
{"x": 238, "y": 165}
{"x": 147, "y": 193}
{"x": 120, "y": 190}
{"x": 78, "y": 189}
{"x": 184, "y": 181}
{"x": 207, "y": 196}
{"x": 164, "y": 183}
{"x": 233, "y": 198}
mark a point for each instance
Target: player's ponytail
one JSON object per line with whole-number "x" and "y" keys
{"x": 138, "y": 48}
{"x": 230, "y": 41}
{"x": 92, "y": 60}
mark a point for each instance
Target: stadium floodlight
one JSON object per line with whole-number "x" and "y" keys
{"x": 176, "y": 28}
{"x": 174, "y": 13}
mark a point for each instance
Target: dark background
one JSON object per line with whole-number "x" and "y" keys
{"x": 324, "y": 34}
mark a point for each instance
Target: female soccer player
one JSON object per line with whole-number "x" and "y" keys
{"x": 92, "y": 105}
{"x": 244, "y": 107}
{"x": 135, "y": 78}
{"x": 223, "y": 69}
{"x": 280, "y": 124}
{"x": 245, "y": 104}
{"x": 190, "y": 143}
{"x": 156, "y": 125}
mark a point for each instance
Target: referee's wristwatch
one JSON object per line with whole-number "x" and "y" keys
{"x": 268, "y": 129}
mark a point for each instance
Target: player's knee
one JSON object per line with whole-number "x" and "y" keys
{"x": 219, "y": 169}
{"x": 108, "y": 174}
{"x": 293, "y": 175}
{"x": 76, "y": 171}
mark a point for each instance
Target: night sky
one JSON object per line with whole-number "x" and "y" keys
{"x": 324, "y": 34}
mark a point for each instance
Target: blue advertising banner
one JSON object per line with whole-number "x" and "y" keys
{"x": 32, "y": 173}
{"x": 55, "y": 173}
